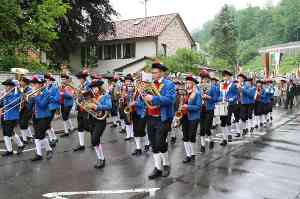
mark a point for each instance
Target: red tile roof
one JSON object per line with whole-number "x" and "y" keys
{"x": 139, "y": 28}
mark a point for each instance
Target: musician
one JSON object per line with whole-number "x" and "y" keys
{"x": 114, "y": 93}
{"x": 191, "y": 115}
{"x": 246, "y": 97}
{"x": 210, "y": 96}
{"x": 10, "y": 114}
{"x": 251, "y": 120}
{"x": 258, "y": 107}
{"x": 267, "y": 100}
{"x": 138, "y": 108}
{"x": 179, "y": 88}
{"x": 53, "y": 106}
{"x": 66, "y": 102}
{"x": 230, "y": 94}
{"x": 39, "y": 103}
{"x": 127, "y": 95}
{"x": 25, "y": 113}
{"x": 159, "y": 119}
{"x": 102, "y": 103}
{"x": 82, "y": 116}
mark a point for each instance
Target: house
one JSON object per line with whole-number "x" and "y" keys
{"x": 133, "y": 43}
{"x": 272, "y": 56}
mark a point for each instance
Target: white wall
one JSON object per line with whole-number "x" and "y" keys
{"x": 143, "y": 48}
{"x": 135, "y": 67}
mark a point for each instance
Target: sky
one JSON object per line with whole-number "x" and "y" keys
{"x": 193, "y": 12}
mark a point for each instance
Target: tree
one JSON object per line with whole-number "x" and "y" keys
{"x": 84, "y": 21}
{"x": 224, "y": 41}
{"x": 27, "y": 24}
{"x": 185, "y": 60}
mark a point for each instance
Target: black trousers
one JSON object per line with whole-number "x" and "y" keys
{"x": 206, "y": 122}
{"x": 51, "y": 117}
{"x": 65, "y": 112}
{"x": 83, "y": 121}
{"x": 289, "y": 103}
{"x": 258, "y": 108}
{"x": 8, "y": 127}
{"x": 189, "y": 129}
{"x": 40, "y": 127}
{"x": 98, "y": 127}
{"x": 158, "y": 133}
{"x": 114, "y": 110}
{"x": 245, "y": 112}
{"x": 251, "y": 111}
{"x": 25, "y": 116}
{"x": 139, "y": 125}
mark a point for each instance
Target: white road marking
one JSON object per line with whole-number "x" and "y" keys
{"x": 61, "y": 195}
{"x": 26, "y": 150}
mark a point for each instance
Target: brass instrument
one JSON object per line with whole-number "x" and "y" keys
{"x": 128, "y": 108}
{"x": 144, "y": 88}
{"x": 88, "y": 107}
{"x": 6, "y": 93}
{"x": 20, "y": 72}
{"x": 179, "y": 113}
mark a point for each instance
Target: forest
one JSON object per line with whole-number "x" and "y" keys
{"x": 234, "y": 36}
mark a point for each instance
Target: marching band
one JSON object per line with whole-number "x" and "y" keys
{"x": 150, "y": 109}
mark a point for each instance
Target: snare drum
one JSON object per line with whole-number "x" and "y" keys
{"x": 221, "y": 109}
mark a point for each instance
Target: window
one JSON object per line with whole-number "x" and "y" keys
{"x": 100, "y": 52}
{"x": 109, "y": 52}
{"x": 164, "y": 49}
{"x": 119, "y": 51}
{"x": 128, "y": 50}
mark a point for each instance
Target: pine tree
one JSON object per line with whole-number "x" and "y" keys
{"x": 224, "y": 41}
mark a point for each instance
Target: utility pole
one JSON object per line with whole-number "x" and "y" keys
{"x": 146, "y": 8}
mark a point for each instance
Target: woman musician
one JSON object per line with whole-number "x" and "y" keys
{"x": 126, "y": 96}
{"x": 25, "y": 113}
{"x": 10, "y": 114}
{"x": 191, "y": 115}
{"x": 53, "y": 106}
{"x": 66, "y": 102}
{"x": 210, "y": 96}
{"x": 39, "y": 103}
{"x": 101, "y": 102}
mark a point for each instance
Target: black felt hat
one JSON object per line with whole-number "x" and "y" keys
{"x": 159, "y": 65}
{"x": 9, "y": 82}
{"x": 242, "y": 75}
{"x": 82, "y": 74}
{"x": 191, "y": 78}
{"x": 39, "y": 79}
{"x": 226, "y": 72}
{"x": 96, "y": 83}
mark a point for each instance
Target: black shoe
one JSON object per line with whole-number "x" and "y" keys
{"x": 187, "y": 159}
{"x": 238, "y": 135}
{"x": 25, "y": 142}
{"x": 173, "y": 140}
{"x": 193, "y": 157}
{"x": 113, "y": 126}
{"x": 223, "y": 143}
{"x": 53, "y": 143}
{"x": 137, "y": 152}
{"x": 166, "y": 171}
{"x": 211, "y": 145}
{"x": 147, "y": 148}
{"x": 37, "y": 158}
{"x": 7, "y": 153}
{"x": 202, "y": 149}
{"x": 123, "y": 131}
{"x": 20, "y": 149}
{"x": 79, "y": 148}
{"x": 65, "y": 135}
{"x": 155, "y": 174}
{"x": 127, "y": 139}
{"x": 261, "y": 124}
{"x": 244, "y": 132}
{"x": 251, "y": 130}
{"x": 256, "y": 126}
{"x": 271, "y": 118}
{"x": 229, "y": 138}
{"x": 49, "y": 155}
{"x": 100, "y": 164}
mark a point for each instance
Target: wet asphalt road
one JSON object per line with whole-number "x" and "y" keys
{"x": 266, "y": 166}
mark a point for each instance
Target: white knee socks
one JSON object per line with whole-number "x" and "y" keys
{"x": 138, "y": 142}
{"x": 99, "y": 152}
{"x": 202, "y": 140}
{"x": 38, "y": 146}
{"x": 165, "y": 158}
{"x": 66, "y": 127}
{"x": 24, "y": 134}
{"x": 81, "y": 138}
{"x": 8, "y": 144}
{"x": 18, "y": 140}
{"x": 187, "y": 149}
{"x": 70, "y": 124}
{"x": 157, "y": 160}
